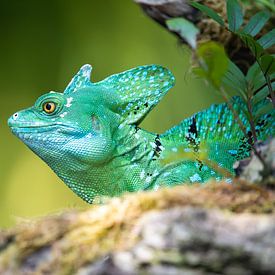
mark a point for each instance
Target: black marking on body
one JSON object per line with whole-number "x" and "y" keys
{"x": 136, "y": 128}
{"x": 244, "y": 148}
{"x": 193, "y": 127}
{"x": 250, "y": 139}
{"x": 200, "y": 164}
{"x": 157, "y": 149}
{"x": 247, "y": 141}
{"x": 192, "y": 135}
{"x": 136, "y": 109}
{"x": 261, "y": 124}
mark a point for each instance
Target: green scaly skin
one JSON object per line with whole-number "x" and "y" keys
{"x": 93, "y": 143}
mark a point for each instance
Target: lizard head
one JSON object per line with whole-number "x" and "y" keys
{"x": 77, "y": 127}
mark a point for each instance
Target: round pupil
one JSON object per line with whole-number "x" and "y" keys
{"x": 49, "y": 107}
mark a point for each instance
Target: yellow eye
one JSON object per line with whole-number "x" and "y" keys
{"x": 49, "y": 107}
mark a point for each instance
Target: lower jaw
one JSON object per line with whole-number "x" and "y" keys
{"x": 38, "y": 140}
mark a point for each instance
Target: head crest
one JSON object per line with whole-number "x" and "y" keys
{"x": 80, "y": 80}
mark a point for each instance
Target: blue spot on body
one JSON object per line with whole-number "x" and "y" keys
{"x": 232, "y": 152}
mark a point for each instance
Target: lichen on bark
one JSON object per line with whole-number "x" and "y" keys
{"x": 76, "y": 241}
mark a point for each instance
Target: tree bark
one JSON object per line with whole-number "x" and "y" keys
{"x": 218, "y": 228}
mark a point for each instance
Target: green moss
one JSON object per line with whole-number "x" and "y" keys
{"x": 75, "y": 239}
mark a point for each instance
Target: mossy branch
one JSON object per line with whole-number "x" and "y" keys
{"x": 109, "y": 237}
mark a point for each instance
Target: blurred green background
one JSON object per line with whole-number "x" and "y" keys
{"x": 43, "y": 43}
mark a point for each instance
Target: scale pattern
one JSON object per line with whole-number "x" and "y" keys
{"x": 92, "y": 141}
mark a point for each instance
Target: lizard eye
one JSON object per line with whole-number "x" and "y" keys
{"x": 49, "y": 107}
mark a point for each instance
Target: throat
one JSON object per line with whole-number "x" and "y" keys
{"x": 138, "y": 154}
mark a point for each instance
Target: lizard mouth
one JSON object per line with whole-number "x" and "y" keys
{"x": 40, "y": 128}
{"x": 43, "y": 135}
{"x": 18, "y": 125}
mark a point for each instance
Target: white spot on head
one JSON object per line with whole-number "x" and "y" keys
{"x": 69, "y": 102}
{"x": 15, "y": 116}
{"x": 63, "y": 114}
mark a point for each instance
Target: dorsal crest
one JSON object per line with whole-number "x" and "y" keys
{"x": 139, "y": 89}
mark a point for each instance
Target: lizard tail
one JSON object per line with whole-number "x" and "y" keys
{"x": 225, "y": 130}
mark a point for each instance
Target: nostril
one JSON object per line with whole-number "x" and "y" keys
{"x": 15, "y": 116}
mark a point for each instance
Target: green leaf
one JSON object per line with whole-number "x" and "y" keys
{"x": 267, "y": 4}
{"x": 266, "y": 107}
{"x": 187, "y": 30}
{"x": 208, "y": 11}
{"x": 198, "y": 71}
{"x": 256, "y": 23}
{"x": 213, "y": 61}
{"x": 268, "y": 40}
{"x": 255, "y": 77}
{"x": 267, "y": 63}
{"x": 238, "y": 74}
{"x": 234, "y": 80}
{"x": 253, "y": 72}
{"x": 256, "y": 49}
{"x": 234, "y": 15}
{"x": 262, "y": 94}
